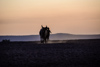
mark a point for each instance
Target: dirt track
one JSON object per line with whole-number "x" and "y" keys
{"x": 71, "y": 53}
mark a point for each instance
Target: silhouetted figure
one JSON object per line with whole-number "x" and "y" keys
{"x": 48, "y": 32}
{"x": 44, "y": 34}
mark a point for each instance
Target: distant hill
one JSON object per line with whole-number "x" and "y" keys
{"x": 58, "y": 36}
{"x": 66, "y": 36}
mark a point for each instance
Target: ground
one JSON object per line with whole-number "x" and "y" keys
{"x": 67, "y": 53}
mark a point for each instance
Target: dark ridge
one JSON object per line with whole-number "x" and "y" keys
{"x": 62, "y": 34}
{"x": 57, "y": 36}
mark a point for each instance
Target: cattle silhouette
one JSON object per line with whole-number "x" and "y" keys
{"x": 44, "y": 34}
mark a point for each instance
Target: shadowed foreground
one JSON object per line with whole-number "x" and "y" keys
{"x": 71, "y": 53}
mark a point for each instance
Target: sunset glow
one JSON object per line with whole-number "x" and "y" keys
{"x": 25, "y": 17}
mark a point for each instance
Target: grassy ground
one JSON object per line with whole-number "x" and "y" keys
{"x": 71, "y": 53}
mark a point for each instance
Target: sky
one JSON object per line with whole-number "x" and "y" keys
{"x": 25, "y": 17}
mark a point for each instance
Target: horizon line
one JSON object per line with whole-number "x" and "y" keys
{"x": 51, "y": 34}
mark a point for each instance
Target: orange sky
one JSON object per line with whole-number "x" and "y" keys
{"x": 25, "y": 17}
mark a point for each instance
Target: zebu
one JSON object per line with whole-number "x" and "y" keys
{"x": 44, "y": 34}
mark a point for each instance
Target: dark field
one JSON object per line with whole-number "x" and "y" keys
{"x": 71, "y": 53}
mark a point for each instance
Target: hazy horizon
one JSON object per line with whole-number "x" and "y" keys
{"x": 51, "y": 34}
{"x": 25, "y": 17}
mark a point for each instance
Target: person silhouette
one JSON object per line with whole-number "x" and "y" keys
{"x": 48, "y": 32}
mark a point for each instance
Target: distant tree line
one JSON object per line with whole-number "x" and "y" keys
{"x": 5, "y": 41}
